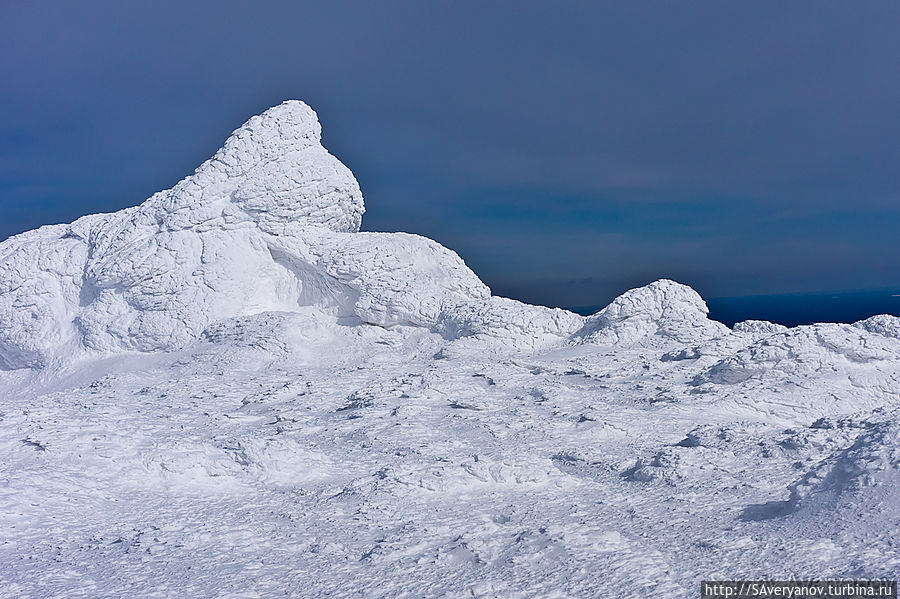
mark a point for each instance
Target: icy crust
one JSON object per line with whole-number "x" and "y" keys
{"x": 823, "y": 350}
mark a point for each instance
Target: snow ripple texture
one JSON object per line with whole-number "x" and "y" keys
{"x": 230, "y": 391}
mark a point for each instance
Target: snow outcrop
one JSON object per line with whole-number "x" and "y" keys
{"x": 268, "y": 224}
{"x": 660, "y": 312}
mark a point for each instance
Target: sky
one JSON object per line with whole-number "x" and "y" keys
{"x": 566, "y": 150}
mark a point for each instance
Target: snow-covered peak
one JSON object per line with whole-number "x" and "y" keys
{"x": 272, "y": 170}
{"x": 290, "y": 126}
{"x": 270, "y": 224}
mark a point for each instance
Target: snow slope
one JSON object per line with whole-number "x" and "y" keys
{"x": 229, "y": 391}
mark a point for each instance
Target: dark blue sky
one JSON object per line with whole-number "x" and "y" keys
{"x": 567, "y": 151}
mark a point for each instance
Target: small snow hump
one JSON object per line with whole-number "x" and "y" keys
{"x": 663, "y": 308}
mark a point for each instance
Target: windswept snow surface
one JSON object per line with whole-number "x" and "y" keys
{"x": 228, "y": 391}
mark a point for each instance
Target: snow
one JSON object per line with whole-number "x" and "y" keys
{"x": 264, "y": 225}
{"x": 230, "y": 391}
{"x": 883, "y": 324}
{"x": 661, "y": 309}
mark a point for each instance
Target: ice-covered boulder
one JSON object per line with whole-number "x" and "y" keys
{"x": 664, "y": 310}
{"x": 385, "y": 279}
{"x": 268, "y": 224}
{"x": 41, "y": 275}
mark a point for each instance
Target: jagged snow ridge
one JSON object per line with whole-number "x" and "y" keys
{"x": 270, "y": 224}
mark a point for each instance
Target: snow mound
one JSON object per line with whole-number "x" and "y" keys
{"x": 872, "y": 460}
{"x": 40, "y": 289}
{"x": 400, "y": 279}
{"x": 384, "y": 279}
{"x": 663, "y": 309}
{"x": 510, "y": 322}
{"x": 883, "y": 324}
{"x": 758, "y": 327}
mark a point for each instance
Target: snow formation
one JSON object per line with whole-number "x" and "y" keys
{"x": 269, "y": 223}
{"x": 229, "y": 390}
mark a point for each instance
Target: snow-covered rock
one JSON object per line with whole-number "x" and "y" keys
{"x": 664, "y": 309}
{"x": 398, "y": 278}
{"x": 41, "y": 274}
{"x": 268, "y": 224}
